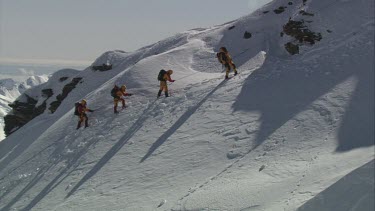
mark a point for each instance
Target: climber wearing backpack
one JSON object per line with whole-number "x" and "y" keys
{"x": 118, "y": 94}
{"x": 163, "y": 77}
{"x": 80, "y": 111}
{"x": 225, "y": 59}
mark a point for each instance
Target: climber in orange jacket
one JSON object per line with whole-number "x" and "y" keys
{"x": 225, "y": 59}
{"x": 81, "y": 110}
{"x": 163, "y": 77}
{"x": 118, "y": 95}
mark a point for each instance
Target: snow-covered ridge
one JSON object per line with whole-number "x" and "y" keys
{"x": 272, "y": 138}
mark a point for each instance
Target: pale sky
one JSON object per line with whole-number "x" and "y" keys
{"x": 81, "y": 30}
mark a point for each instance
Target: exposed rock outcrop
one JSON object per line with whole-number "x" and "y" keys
{"x": 34, "y": 102}
{"x": 66, "y": 90}
{"x": 292, "y": 48}
{"x": 247, "y": 35}
{"x": 21, "y": 114}
{"x": 299, "y": 30}
{"x": 279, "y": 10}
{"x": 301, "y": 33}
{"x": 103, "y": 67}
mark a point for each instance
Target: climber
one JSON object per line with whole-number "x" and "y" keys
{"x": 163, "y": 77}
{"x": 81, "y": 110}
{"x": 226, "y": 60}
{"x": 118, "y": 94}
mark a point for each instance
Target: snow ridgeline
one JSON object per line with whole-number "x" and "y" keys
{"x": 10, "y": 90}
{"x": 275, "y": 137}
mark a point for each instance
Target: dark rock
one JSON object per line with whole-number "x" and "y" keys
{"x": 303, "y": 12}
{"x": 265, "y": 12}
{"x": 232, "y": 27}
{"x": 298, "y": 30}
{"x": 279, "y": 10}
{"x": 63, "y": 79}
{"x": 281, "y": 34}
{"x": 301, "y": 33}
{"x": 103, "y": 67}
{"x": 232, "y": 155}
{"x": 329, "y": 31}
{"x": 54, "y": 106}
{"x": 247, "y": 35}
{"x": 290, "y": 3}
{"x": 21, "y": 114}
{"x": 47, "y": 93}
{"x": 292, "y": 48}
{"x": 66, "y": 90}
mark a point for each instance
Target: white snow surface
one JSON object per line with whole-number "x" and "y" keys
{"x": 11, "y": 90}
{"x": 287, "y": 133}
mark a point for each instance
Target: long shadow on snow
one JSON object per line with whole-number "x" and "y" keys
{"x": 129, "y": 134}
{"x": 31, "y": 184}
{"x": 112, "y": 152}
{"x": 355, "y": 191}
{"x": 178, "y": 123}
{"x": 43, "y": 170}
{"x": 15, "y": 169}
{"x": 72, "y": 163}
{"x": 281, "y": 95}
{"x": 18, "y": 147}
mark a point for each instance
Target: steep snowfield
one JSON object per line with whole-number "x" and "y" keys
{"x": 279, "y": 136}
{"x": 10, "y": 90}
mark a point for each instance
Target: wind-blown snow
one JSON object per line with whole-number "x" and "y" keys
{"x": 278, "y": 136}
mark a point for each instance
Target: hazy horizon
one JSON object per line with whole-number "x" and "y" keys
{"x": 75, "y": 33}
{"x": 20, "y": 72}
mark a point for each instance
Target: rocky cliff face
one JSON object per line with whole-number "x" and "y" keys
{"x": 66, "y": 90}
{"x": 35, "y": 101}
{"x": 10, "y": 90}
{"x": 22, "y": 113}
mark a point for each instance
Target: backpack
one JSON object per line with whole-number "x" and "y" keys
{"x": 114, "y": 91}
{"x": 161, "y": 75}
{"x": 76, "y": 109}
{"x": 222, "y": 57}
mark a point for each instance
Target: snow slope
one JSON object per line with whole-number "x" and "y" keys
{"x": 279, "y": 136}
{"x": 10, "y": 90}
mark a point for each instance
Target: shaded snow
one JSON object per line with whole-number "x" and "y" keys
{"x": 355, "y": 191}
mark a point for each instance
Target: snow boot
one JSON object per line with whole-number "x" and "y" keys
{"x": 166, "y": 94}
{"x": 159, "y": 93}
{"x": 79, "y": 125}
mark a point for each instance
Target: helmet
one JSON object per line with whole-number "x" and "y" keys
{"x": 224, "y": 49}
{"x": 123, "y": 87}
{"x": 170, "y": 72}
{"x": 84, "y": 102}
